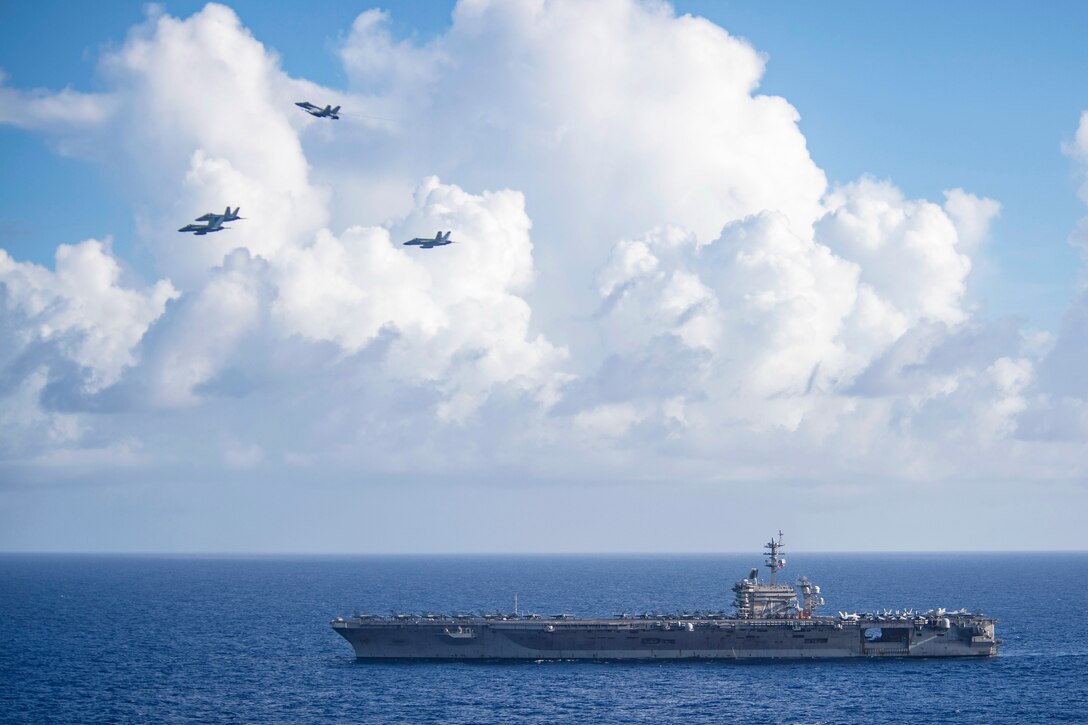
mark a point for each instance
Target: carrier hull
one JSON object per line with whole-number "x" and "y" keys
{"x": 770, "y": 622}
{"x": 731, "y": 639}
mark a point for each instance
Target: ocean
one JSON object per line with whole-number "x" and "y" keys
{"x": 210, "y": 639}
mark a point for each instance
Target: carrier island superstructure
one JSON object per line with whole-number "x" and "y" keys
{"x": 770, "y": 622}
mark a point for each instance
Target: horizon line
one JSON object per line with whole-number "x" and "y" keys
{"x": 342, "y": 554}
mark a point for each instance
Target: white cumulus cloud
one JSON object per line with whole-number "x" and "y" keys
{"x": 650, "y": 272}
{"x": 82, "y": 308}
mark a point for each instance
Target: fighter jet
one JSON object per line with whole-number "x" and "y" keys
{"x": 326, "y": 112}
{"x": 227, "y": 216}
{"x": 212, "y": 222}
{"x": 440, "y": 240}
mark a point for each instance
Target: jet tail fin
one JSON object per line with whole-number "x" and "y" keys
{"x": 336, "y": 110}
{"x": 447, "y": 236}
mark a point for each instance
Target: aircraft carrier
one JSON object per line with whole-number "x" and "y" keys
{"x": 770, "y": 621}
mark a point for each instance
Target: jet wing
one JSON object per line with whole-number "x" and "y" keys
{"x": 209, "y": 217}
{"x": 192, "y": 228}
{"x": 306, "y": 105}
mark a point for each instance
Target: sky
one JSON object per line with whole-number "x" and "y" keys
{"x": 720, "y": 269}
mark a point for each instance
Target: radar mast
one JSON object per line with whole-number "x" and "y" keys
{"x": 774, "y": 561}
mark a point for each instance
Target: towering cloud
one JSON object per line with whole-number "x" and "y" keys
{"x": 649, "y": 268}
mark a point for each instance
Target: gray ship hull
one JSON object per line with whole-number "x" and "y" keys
{"x": 812, "y": 638}
{"x": 771, "y": 622}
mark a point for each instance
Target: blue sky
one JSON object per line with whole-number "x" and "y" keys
{"x": 667, "y": 289}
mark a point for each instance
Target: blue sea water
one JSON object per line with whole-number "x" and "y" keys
{"x": 216, "y": 639}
